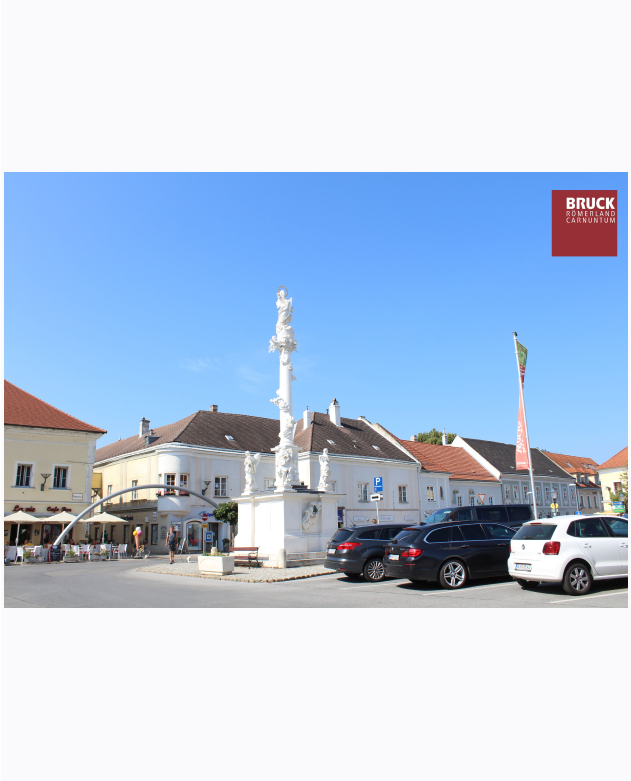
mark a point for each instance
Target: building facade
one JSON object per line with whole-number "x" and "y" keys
{"x": 499, "y": 459}
{"x": 611, "y": 474}
{"x": 48, "y": 462}
{"x": 588, "y": 489}
{"x": 205, "y": 452}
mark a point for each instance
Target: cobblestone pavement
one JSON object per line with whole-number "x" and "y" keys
{"x": 242, "y": 574}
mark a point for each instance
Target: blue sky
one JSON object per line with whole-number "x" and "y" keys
{"x": 131, "y": 295}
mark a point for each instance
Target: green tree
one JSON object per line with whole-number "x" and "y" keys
{"x": 434, "y": 437}
{"x": 228, "y": 512}
{"x": 623, "y": 494}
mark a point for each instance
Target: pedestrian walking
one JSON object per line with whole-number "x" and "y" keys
{"x": 171, "y": 544}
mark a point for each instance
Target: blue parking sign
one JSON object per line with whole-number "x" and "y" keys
{"x": 378, "y": 484}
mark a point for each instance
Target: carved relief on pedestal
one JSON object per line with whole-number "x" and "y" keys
{"x": 325, "y": 472}
{"x": 310, "y": 515}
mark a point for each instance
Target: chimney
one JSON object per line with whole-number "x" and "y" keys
{"x": 363, "y": 417}
{"x": 413, "y": 438}
{"x": 214, "y": 408}
{"x": 444, "y": 436}
{"x": 334, "y": 413}
{"x": 144, "y": 428}
{"x": 306, "y": 419}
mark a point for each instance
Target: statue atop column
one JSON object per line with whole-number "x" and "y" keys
{"x": 250, "y": 464}
{"x": 285, "y": 343}
{"x": 325, "y": 472}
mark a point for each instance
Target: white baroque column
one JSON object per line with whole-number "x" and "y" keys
{"x": 285, "y": 343}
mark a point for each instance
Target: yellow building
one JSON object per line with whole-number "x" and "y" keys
{"x": 611, "y": 476}
{"x": 48, "y": 459}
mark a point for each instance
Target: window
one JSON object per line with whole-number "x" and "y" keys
{"x": 472, "y": 532}
{"x": 407, "y": 537}
{"x": 572, "y": 495}
{"x": 23, "y": 477}
{"x": 430, "y": 493}
{"x": 459, "y": 502}
{"x": 440, "y": 490}
{"x": 330, "y": 441}
{"x": 134, "y": 494}
{"x": 518, "y": 514}
{"x": 333, "y": 486}
{"x": 462, "y": 515}
{"x": 516, "y": 492}
{"x": 564, "y": 494}
{"x": 589, "y": 501}
{"x": 342, "y": 535}
{"x": 590, "y": 528}
{"x": 403, "y": 493}
{"x": 370, "y": 534}
{"x": 229, "y": 437}
{"x": 538, "y": 492}
{"x": 542, "y": 531}
{"x": 184, "y": 481}
{"x": 221, "y": 486}
{"x": 486, "y": 514}
{"x": 472, "y": 500}
{"x": 525, "y": 493}
{"x": 109, "y": 490}
{"x": 497, "y": 532}
{"x": 439, "y": 535}
{"x": 376, "y": 447}
{"x": 362, "y": 492}
{"x": 582, "y": 503}
{"x": 390, "y": 533}
{"x": 125, "y": 533}
{"x": 169, "y": 479}
{"x": 507, "y": 492}
{"x": 617, "y": 487}
{"x": 60, "y": 477}
{"x": 618, "y": 526}
{"x": 547, "y": 490}
{"x": 269, "y": 483}
{"x": 596, "y": 501}
{"x": 490, "y": 500}
{"x": 154, "y": 533}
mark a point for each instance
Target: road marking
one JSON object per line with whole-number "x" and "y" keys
{"x": 594, "y": 596}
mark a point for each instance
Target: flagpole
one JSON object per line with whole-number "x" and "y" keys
{"x": 523, "y": 406}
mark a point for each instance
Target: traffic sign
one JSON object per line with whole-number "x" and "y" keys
{"x": 204, "y": 525}
{"x": 617, "y": 507}
{"x": 481, "y": 498}
{"x": 554, "y": 506}
{"x": 376, "y": 497}
{"x": 378, "y": 484}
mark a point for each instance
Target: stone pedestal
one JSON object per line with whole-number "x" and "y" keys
{"x": 273, "y": 522}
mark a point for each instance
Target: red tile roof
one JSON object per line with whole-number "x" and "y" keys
{"x": 574, "y": 464}
{"x": 620, "y": 459}
{"x": 446, "y": 458}
{"x": 22, "y": 409}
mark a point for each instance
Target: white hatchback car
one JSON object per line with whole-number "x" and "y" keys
{"x": 570, "y": 549}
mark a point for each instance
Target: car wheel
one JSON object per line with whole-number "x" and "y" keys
{"x": 453, "y": 574}
{"x": 578, "y": 579}
{"x": 526, "y": 583}
{"x": 374, "y": 570}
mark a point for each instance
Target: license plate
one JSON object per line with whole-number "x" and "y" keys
{"x": 525, "y": 567}
{"x": 331, "y": 550}
{"x": 394, "y": 557}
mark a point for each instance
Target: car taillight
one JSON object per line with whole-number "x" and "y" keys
{"x": 411, "y": 553}
{"x": 348, "y": 545}
{"x": 552, "y": 548}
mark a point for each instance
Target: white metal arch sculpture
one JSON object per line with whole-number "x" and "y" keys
{"x": 124, "y": 491}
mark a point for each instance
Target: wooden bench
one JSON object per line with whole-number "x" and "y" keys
{"x": 243, "y": 555}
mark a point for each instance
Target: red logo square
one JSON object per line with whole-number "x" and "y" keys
{"x": 584, "y": 223}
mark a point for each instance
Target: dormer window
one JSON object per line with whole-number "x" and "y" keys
{"x": 330, "y": 441}
{"x": 229, "y": 437}
{"x": 376, "y": 447}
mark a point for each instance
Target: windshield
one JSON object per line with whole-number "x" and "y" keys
{"x": 542, "y": 531}
{"x": 438, "y": 516}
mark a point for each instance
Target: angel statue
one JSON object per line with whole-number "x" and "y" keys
{"x": 310, "y": 514}
{"x": 325, "y": 472}
{"x": 285, "y": 310}
{"x": 251, "y": 463}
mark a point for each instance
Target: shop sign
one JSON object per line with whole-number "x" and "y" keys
{"x": 24, "y": 509}
{"x": 77, "y": 497}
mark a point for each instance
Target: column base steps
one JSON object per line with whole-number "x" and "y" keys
{"x": 306, "y": 559}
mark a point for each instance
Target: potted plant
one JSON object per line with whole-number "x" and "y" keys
{"x": 70, "y": 556}
{"x": 215, "y": 563}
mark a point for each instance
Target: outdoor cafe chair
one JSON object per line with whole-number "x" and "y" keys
{"x": 19, "y": 554}
{"x": 11, "y": 553}
{"x": 122, "y": 551}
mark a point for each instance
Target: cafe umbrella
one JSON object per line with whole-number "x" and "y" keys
{"x": 62, "y": 518}
{"x": 21, "y": 517}
{"x": 105, "y": 518}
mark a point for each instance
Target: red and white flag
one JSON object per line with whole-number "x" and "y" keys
{"x": 522, "y": 456}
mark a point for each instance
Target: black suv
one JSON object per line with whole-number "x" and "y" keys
{"x": 359, "y": 550}
{"x": 509, "y": 514}
{"x": 449, "y": 552}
